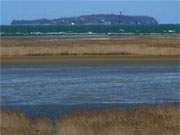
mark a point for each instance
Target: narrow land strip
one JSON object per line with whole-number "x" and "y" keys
{"x": 119, "y": 49}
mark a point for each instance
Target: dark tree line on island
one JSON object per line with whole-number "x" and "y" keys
{"x": 98, "y": 19}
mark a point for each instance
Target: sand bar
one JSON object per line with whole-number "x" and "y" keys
{"x": 117, "y": 49}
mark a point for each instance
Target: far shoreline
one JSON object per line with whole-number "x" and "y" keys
{"x": 90, "y": 59}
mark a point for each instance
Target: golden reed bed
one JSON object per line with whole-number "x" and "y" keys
{"x": 162, "y": 120}
{"x": 122, "y": 45}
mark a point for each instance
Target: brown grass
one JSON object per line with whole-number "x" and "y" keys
{"x": 122, "y": 45}
{"x": 41, "y": 126}
{"x": 14, "y": 123}
{"x": 163, "y": 120}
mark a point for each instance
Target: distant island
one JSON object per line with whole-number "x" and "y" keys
{"x": 97, "y": 19}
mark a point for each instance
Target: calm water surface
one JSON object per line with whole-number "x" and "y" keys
{"x": 60, "y": 84}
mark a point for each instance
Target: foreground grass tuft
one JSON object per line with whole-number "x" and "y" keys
{"x": 163, "y": 120}
{"x": 140, "y": 121}
{"x": 14, "y": 123}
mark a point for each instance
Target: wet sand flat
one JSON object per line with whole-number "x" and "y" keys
{"x": 91, "y": 59}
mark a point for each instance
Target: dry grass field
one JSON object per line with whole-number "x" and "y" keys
{"x": 122, "y": 45}
{"x": 163, "y": 120}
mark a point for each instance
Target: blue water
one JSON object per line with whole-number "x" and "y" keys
{"x": 59, "y": 84}
{"x": 68, "y": 30}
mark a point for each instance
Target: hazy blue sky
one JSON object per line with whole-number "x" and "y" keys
{"x": 165, "y": 11}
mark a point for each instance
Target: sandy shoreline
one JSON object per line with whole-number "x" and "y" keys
{"x": 89, "y": 59}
